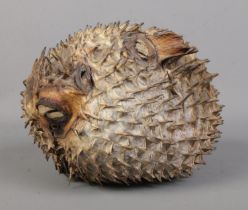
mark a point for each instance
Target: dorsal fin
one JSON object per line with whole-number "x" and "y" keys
{"x": 169, "y": 44}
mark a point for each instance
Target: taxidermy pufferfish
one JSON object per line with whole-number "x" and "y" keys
{"x": 122, "y": 104}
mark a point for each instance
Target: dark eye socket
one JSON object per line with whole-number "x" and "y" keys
{"x": 82, "y": 72}
{"x": 83, "y": 79}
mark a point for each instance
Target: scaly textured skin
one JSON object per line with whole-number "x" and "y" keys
{"x": 142, "y": 108}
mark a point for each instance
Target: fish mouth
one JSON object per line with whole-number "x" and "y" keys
{"x": 55, "y": 115}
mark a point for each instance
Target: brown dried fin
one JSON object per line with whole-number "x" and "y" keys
{"x": 169, "y": 44}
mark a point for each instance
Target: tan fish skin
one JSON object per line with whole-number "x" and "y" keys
{"x": 123, "y": 104}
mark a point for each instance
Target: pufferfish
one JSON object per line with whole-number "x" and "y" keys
{"x": 118, "y": 103}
